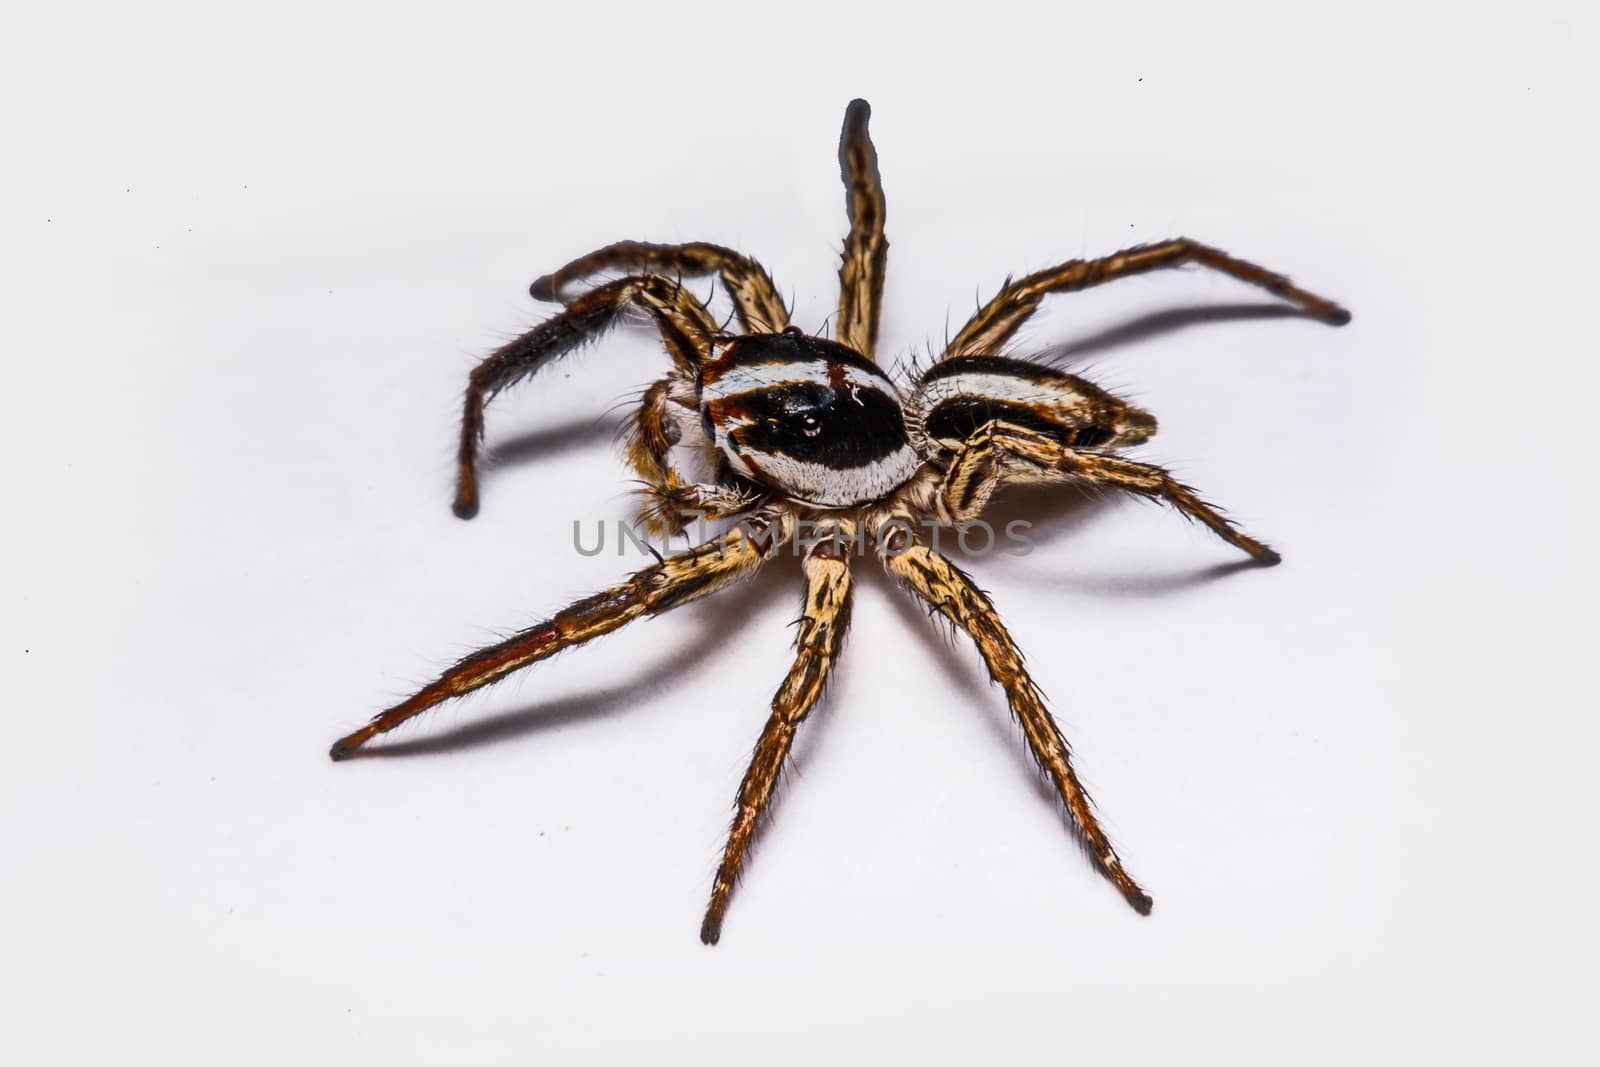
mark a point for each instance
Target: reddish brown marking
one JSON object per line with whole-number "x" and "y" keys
{"x": 836, "y": 372}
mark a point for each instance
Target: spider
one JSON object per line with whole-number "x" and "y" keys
{"x": 806, "y": 429}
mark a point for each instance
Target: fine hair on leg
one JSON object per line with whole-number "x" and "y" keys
{"x": 866, "y": 250}
{"x": 949, "y": 592}
{"x": 687, "y": 330}
{"x": 656, "y": 589}
{"x": 981, "y": 466}
{"x": 755, "y": 298}
{"x": 998, "y": 321}
{"x": 817, "y": 646}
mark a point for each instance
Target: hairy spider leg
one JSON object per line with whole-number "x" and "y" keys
{"x": 995, "y": 323}
{"x": 981, "y": 465}
{"x": 820, "y": 637}
{"x": 865, "y": 248}
{"x": 755, "y": 297}
{"x": 976, "y": 471}
{"x": 947, "y": 590}
{"x": 687, "y": 330}
{"x": 654, "y": 590}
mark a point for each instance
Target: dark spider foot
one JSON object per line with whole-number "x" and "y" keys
{"x": 466, "y": 502}
{"x": 1137, "y": 898}
{"x": 1267, "y": 557}
{"x": 544, "y": 288}
{"x": 1336, "y": 316}
{"x": 343, "y": 749}
{"x": 710, "y": 931}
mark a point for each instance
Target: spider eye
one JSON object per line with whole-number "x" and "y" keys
{"x": 804, "y": 400}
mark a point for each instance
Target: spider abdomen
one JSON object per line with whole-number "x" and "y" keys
{"x": 958, "y": 397}
{"x": 807, "y": 416}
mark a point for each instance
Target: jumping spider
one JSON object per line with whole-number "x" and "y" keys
{"x": 804, "y": 428}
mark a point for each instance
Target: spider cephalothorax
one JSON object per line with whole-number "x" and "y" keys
{"x": 811, "y": 418}
{"x": 808, "y": 429}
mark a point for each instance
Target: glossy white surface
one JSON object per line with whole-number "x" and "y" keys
{"x": 247, "y": 270}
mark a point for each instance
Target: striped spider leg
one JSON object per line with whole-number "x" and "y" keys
{"x": 866, "y": 250}
{"x": 819, "y": 639}
{"x": 656, "y": 589}
{"x": 988, "y": 420}
{"x": 947, "y": 590}
{"x": 687, "y": 332}
{"x": 755, "y": 298}
{"x": 998, "y": 321}
{"x": 999, "y": 449}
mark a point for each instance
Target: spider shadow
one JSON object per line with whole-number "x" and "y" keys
{"x": 605, "y": 427}
{"x": 667, "y": 673}
{"x": 531, "y": 444}
{"x": 963, "y": 675}
{"x": 1056, "y": 513}
{"x": 1062, "y": 509}
{"x": 1172, "y": 320}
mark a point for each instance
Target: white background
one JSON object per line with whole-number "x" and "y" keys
{"x": 246, "y": 270}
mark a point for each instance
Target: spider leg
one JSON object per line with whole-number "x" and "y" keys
{"x": 995, "y": 323}
{"x": 755, "y": 297}
{"x": 998, "y": 451}
{"x": 656, "y": 589}
{"x": 687, "y": 330}
{"x": 975, "y": 472}
{"x": 865, "y": 248}
{"x": 821, "y": 635}
{"x": 947, "y": 590}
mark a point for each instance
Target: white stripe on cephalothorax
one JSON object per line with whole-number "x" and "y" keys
{"x": 829, "y": 487}
{"x": 738, "y": 380}
{"x": 1002, "y": 387}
